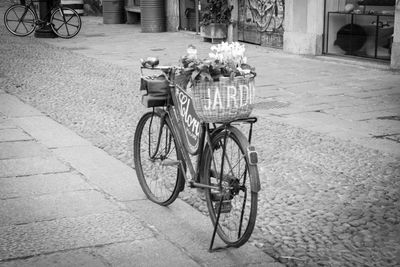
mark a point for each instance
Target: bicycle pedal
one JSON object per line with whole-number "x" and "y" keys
{"x": 169, "y": 162}
{"x": 226, "y": 206}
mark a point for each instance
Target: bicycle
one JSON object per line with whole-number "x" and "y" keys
{"x": 22, "y": 20}
{"x": 226, "y": 168}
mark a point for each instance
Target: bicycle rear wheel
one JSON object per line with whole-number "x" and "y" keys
{"x": 157, "y": 158}
{"x": 20, "y": 20}
{"x": 65, "y": 22}
{"x": 240, "y": 185}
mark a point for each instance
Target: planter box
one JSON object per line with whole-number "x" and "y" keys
{"x": 214, "y": 32}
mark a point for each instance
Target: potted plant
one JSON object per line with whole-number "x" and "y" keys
{"x": 215, "y": 20}
{"x": 224, "y": 60}
{"x": 222, "y": 85}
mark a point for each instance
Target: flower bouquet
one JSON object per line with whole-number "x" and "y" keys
{"x": 222, "y": 85}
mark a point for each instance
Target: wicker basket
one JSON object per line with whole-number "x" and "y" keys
{"x": 225, "y": 100}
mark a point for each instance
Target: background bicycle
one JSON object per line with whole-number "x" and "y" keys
{"x": 22, "y": 20}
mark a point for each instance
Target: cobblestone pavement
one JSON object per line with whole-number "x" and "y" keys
{"x": 324, "y": 201}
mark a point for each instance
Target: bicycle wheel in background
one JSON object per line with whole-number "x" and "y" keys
{"x": 239, "y": 195}
{"x": 20, "y": 20}
{"x": 156, "y": 159}
{"x": 65, "y": 22}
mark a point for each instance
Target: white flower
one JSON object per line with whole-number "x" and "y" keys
{"x": 229, "y": 53}
{"x": 191, "y": 51}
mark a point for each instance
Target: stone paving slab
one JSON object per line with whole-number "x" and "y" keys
{"x": 24, "y": 149}
{"x": 49, "y": 132}
{"x": 150, "y": 252}
{"x": 9, "y": 134}
{"x": 82, "y": 257}
{"x": 191, "y": 231}
{"x": 31, "y": 239}
{"x": 49, "y": 207}
{"x": 42, "y": 184}
{"x": 30, "y": 166}
{"x": 11, "y": 106}
{"x": 6, "y": 123}
{"x": 365, "y": 116}
{"x": 106, "y": 172}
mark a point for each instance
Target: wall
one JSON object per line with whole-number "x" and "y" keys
{"x": 304, "y": 20}
{"x": 395, "y": 61}
{"x": 93, "y": 7}
{"x": 172, "y": 15}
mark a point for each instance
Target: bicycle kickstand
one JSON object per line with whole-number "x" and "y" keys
{"x": 211, "y": 249}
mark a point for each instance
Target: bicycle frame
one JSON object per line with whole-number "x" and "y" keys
{"x": 44, "y": 19}
{"x": 32, "y": 6}
{"x": 179, "y": 114}
{"x": 178, "y": 128}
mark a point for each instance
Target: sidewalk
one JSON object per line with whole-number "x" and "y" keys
{"x": 65, "y": 202}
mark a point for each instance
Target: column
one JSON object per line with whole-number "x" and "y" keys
{"x": 172, "y": 15}
{"x": 395, "y": 58}
{"x": 304, "y": 20}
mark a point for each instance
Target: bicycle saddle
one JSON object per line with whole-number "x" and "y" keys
{"x": 149, "y": 62}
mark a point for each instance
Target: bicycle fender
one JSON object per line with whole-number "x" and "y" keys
{"x": 252, "y": 157}
{"x": 255, "y": 181}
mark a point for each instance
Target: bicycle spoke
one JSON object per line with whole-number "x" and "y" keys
{"x": 25, "y": 26}
{"x": 65, "y": 22}
{"x": 154, "y": 145}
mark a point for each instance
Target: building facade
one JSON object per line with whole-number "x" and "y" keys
{"x": 349, "y": 28}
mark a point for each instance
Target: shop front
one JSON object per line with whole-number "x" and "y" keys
{"x": 360, "y": 28}
{"x": 347, "y": 28}
{"x": 255, "y": 21}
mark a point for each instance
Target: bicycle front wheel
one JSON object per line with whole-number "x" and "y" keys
{"x": 157, "y": 159}
{"x": 237, "y": 199}
{"x": 65, "y": 22}
{"x": 20, "y": 20}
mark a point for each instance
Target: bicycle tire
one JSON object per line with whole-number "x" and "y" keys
{"x": 159, "y": 182}
{"x": 237, "y": 221}
{"x": 19, "y": 17}
{"x": 65, "y": 26}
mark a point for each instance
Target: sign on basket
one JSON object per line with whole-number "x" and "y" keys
{"x": 224, "y": 100}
